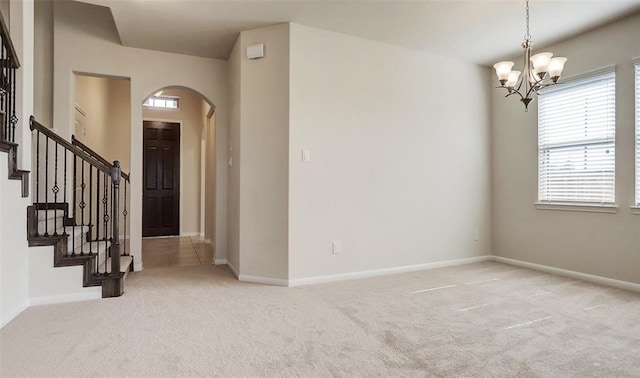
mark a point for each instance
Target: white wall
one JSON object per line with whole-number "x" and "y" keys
{"x": 84, "y": 42}
{"x": 14, "y": 259}
{"x": 264, "y": 137}
{"x": 400, "y": 156}
{"x": 606, "y": 245}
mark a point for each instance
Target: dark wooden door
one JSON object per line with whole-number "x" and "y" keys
{"x": 161, "y": 172}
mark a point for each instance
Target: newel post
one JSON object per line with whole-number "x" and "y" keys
{"x": 115, "y": 244}
{"x": 113, "y": 284}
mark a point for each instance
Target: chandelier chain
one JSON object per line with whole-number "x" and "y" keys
{"x": 527, "y": 36}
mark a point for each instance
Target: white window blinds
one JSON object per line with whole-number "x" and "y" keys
{"x": 637, "y": 65}
{"x": 576, "y": 140}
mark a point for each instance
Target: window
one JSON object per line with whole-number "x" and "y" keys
{"x": 637, "y": 65}
{"x": 163, "y": 102}
{"x": 576, "y": 141}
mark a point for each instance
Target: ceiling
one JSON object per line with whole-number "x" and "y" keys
{"x": 478, "y": 31}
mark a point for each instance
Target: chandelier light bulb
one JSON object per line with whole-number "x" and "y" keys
{"x": 502, "y": 70}
{"x": 556, "y": 65}
{"x": 513, "y": 79}
{"x": 540, "y": 63}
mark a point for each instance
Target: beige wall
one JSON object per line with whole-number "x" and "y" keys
{"x": 84, "y": 42}
{"x": 400, "y": 156}
{"x": 606, "y": 245}
{"x": 107, "y": 104}
{"x": 235, "y": 118}
{"x": 4, "y": 9}
{"x": 191, "y": 130}
{"x": 264, "y": 136}
{"x": 43, "y": 73}
{"x": 92, "y": 98}
{"x": 209, "y": 196}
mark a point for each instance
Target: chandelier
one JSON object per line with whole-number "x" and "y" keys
{"x": 539, "y": 71}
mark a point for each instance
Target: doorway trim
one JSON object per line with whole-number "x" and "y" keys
{"x": 180, "y": 122}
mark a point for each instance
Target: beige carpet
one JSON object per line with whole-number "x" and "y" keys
{"x": 475, "y": 320}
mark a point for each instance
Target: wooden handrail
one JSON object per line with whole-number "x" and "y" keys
{"x": 35, "y": 125}
{"x": 95, "y": 155}
{"x": 8, "y": 44}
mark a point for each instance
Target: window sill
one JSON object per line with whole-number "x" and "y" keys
{"x": 635, "y": 210}
{"x": 586, "y": 207}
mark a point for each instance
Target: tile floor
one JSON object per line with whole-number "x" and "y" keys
{"x": 175, "y": 251}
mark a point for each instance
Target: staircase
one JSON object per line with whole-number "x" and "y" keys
{"x": 76, "y": 209}
{"x": 73, "y": 244}
{"x": 79, "y": 199}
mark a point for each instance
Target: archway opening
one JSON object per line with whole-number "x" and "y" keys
{"x": 178, "y": 209}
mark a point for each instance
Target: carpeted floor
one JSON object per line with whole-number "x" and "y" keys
{"x": 475, "y": 320}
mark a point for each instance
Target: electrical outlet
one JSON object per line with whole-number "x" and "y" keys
{"x": 335, "y": 247}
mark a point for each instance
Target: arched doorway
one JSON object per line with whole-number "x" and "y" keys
{"x": 178, "y": 208}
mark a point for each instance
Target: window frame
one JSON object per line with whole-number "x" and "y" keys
{"x": 556, "y": 204}
{"x": 165, "y": 98}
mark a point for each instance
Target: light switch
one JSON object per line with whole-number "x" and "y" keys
{"x": 306, "y": 156}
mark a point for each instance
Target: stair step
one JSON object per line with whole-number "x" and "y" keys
{"x": 49, "y": 214}
{"x": 93, "y": 247}
{"x": 76, "y": 235}
{"x": 48, "y": 220}
{"x": 125, "y": 264}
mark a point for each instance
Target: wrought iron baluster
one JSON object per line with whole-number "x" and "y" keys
{"x": 98, "y": 206}
{"x": 82, "y": 206}
{"x": 37, "y": 175}
{"x": 5, "y": 90}
{"x": 64, "y": 195}
{"x": 105, "y": 220}
{"x": 3, "y": 93}
{"x": 90, "y": 208}
{"x": 75, "y": 202}
{"x": 46, "y": 186}
{"x": 55, "y": 190}
{"x": 8, "y": 94}
{"x": 124, "y": 213}
{"x": 14, "y": 118}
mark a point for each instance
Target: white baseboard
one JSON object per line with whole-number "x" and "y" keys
{"x": 234, "y": 270}
{"x": 570, "y": 273}
{"x": 220, "y": 261}
{"x": 263, "y": 280}
{"x": 207, "y": 241}
{"x": 385, "y": 271}
{"x": 8, "y": 318}
{"x": 92, "y": 293}
{"x": 185, "y": 234}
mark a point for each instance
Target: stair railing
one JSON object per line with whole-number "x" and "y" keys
{"x": 125, "y": 185}
{"x": 86, "y": 190}
{"x": 9, "y": 64}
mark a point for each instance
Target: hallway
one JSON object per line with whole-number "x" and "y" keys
{"x": 176, "y": 251}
